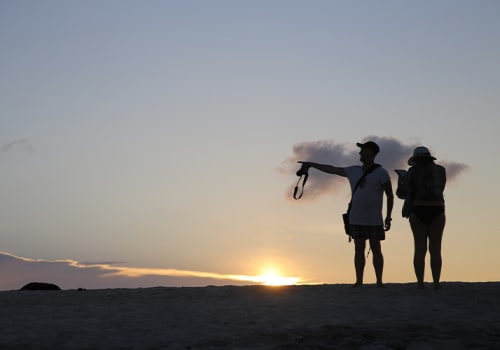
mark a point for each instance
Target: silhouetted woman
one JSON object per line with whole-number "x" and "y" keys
{"x": 423, "y": 187}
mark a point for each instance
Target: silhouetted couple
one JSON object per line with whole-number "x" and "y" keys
{"x": 422, "y": 186}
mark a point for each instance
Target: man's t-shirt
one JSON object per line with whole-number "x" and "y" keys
{"x": 366, "y": 207}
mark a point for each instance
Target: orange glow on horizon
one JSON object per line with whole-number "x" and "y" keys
{"x": 273, "y": 278}
{"x": 270, "y": 277}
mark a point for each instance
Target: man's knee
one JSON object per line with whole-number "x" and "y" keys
{"x": 359, "y": 246}
{"x": 375, "y": 246}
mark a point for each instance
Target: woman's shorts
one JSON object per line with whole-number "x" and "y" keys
{"x": 367, "y": 232}
{"x": 427, "y": 214}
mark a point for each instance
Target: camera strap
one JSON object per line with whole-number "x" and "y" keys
{"x": 360, "y": 181}
{"x": 372, "y": 168}
{"x": 304, "y": 179}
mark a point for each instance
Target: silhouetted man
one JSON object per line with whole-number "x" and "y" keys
{"x": 365, "y": 216}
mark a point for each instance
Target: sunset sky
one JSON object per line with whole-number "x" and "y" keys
{"x": 150, "y": 143}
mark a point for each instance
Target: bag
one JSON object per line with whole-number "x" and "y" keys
{"x": 347, "y": 226}
{"x": 405, "y": 211}
{"x": 345, "y": 218}
{"x": 405, "y": 193}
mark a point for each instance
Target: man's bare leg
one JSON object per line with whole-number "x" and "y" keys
{"x": 359, "y": 260}
{"x": 378, "y": 260}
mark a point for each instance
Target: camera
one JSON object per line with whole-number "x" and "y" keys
{"x": 303, "y": 170}
{"x": 303, "y": 174}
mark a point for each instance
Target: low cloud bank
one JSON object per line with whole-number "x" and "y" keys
{"x": 70, "y": 274}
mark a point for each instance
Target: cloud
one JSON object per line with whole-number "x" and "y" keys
{"x": 453, "y": 169}
{"x": 70, "y": 274}
{"x": 393, "y": 155}
{"x": 21, "y": 144}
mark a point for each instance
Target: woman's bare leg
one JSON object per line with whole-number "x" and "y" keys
{"x": 419, "y": 230}
{"x": 435, "y": 238}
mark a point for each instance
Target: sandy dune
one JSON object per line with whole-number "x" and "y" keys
{"x": 400, "y": 316}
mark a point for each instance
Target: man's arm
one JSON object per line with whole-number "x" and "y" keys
{"x": 326, "y": 168}
{"x": 390, "y": 203}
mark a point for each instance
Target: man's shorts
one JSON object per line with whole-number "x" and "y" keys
{"x": 367, "y": 232}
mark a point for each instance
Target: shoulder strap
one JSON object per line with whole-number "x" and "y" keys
{"x": 372, "y": 168}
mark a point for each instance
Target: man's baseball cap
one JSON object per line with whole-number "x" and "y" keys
{"x": 372, "y": 146}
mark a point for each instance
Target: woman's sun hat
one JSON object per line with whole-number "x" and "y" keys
{"x": 420, "y": 153}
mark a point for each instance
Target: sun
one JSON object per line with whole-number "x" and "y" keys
{"x": 273, "y": 278}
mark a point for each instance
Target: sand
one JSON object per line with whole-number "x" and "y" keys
{"x": 400, "y": 316}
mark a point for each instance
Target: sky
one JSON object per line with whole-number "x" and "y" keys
{"x": 148, "y": 143}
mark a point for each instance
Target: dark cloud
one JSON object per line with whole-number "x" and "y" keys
{"x": 393, "y": 155}
{"x": 453, "y": 169}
